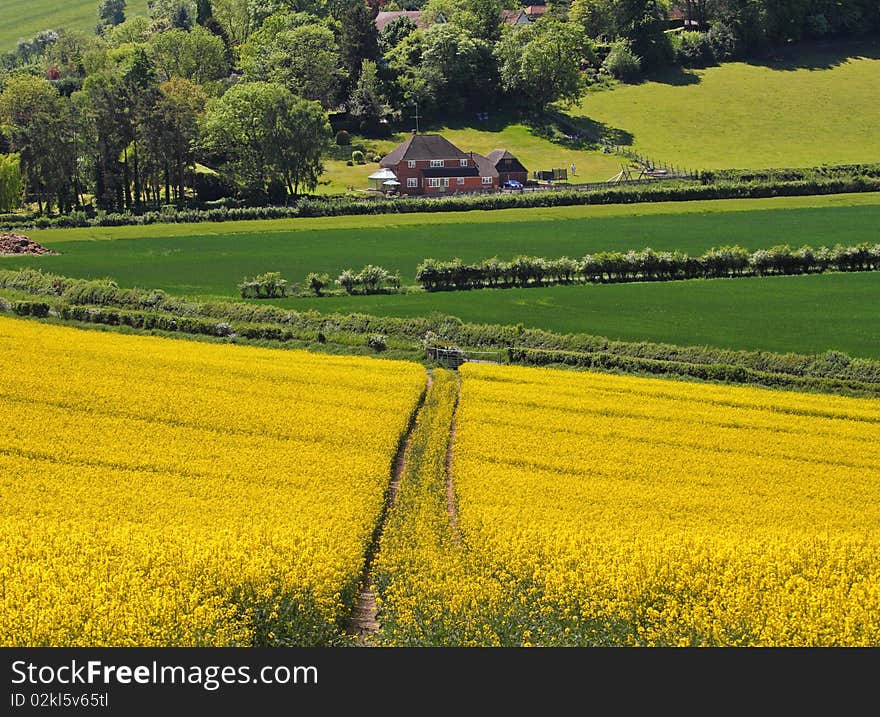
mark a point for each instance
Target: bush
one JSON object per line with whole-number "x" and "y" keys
{"x": 212, "y": 187}
{"x": 343, "y": 138}
{"x": 693, "y": 49}
{"x": 377, "y": 342}
{"x": 725, "y": 42}
{"x": 622, "y": 62}
{"x": 317, "y": 283}
{"x": 349, "y": 163}
{"x": 264, "y": 286}
{"x": 276, "y": 191}
{"x": 357, "y": 157}
{"x": 39, "y": 309}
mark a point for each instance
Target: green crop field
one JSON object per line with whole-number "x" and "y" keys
{"x": 22, "y": 19}
{"x": 808, "y": 314}
{"x": 804, "y": 314}
{"x": 818, "y": 106}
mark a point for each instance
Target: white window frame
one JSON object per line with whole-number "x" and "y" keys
{"x": 434, "y": 182}
{"x": 445, "y": 181}
{"x": 411, "y": 163}
{"x": 412, "y": 182}
{"x": 487, "y": 180}
{"x": 459, "y": 181}
{"x": 436, "y": 162}
{"x": 462, "y": 163}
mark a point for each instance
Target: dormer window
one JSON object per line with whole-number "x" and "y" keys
{"x": 436, "y": 162}
{"x": 463, "y": 162}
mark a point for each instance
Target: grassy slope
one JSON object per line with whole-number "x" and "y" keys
{"x": 817, "y": 107}
{"x": 795, "y": 314}
{"x": 21, "y": 19}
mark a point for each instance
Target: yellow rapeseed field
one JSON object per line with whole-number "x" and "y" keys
{"x": 622, "y": 510}
{"x": 161, "y": 492}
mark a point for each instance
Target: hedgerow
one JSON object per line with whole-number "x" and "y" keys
{"x": 645, "y": 265}
{"x": 145, "y": 309}
{"x": 710, "y": 187}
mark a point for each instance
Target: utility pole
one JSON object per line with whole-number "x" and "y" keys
{"x": 416, "y": 117}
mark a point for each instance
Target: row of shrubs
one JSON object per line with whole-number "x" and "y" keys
{"x": 680, "y": 190}
{"x": 790, "y": 174}
{"x": 173, "y": 323}
{"x": 726, "y": 373}
{"x": 723, "y": 372}
{"x": 370, "y": 279}
{"x": 644, "y": 265}
{"x": 431, "y": 329}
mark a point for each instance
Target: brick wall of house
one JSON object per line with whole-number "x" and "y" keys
{"x": 405, "y": 172}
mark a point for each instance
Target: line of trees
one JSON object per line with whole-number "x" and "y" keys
{"x": 645, "y": 265}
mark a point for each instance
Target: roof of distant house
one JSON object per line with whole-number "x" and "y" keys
{"x": 421, "y": 21}
{"x": 496, "y": 156}
{"x": 422, "y": 147}
{"x": 532, "y": 10}
{"x": 485, "y": 165}
{"x": 514, "y": 17}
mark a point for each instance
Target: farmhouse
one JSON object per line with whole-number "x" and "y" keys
{"x": 431, "y": 164}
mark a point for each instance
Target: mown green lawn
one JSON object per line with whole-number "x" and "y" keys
{"x": 22, "y": 19}
{"x": 802, "y": 314}
{"x": 810, "y": 106}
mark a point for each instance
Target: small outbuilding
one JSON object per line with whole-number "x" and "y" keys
{"x": 508, "y": 167}
{"x": 383, "y": 180}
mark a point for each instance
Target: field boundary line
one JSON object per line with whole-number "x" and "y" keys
{"x": 363, "y": 620}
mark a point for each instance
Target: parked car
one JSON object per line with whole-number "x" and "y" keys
{"x": 512, "y": 184}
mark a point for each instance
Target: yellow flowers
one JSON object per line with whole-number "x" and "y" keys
{"x": 158, "y": 492}
{"x": 651, "y": 512}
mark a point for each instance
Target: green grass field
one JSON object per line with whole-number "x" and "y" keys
{"x": 208, "y": 260}
{"x": 22, "y": 19}
{"x": 806, "y": 314}
{"x": 818, "y": 106}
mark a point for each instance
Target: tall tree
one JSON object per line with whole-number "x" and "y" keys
{"x": 358, "y": 41}
{"x": 11, "y": 184}
{"x": 307, "y": 137}
{"x": 367, "y": 104}
{"x": 37, "y": 121}
{"x": 541, "y": 63}
{"x": 234, "y": 17}
{"x": 110, "y": 14}
{"x": 265, "y": 134}
{"x": 177, "y": 13}
{"x": 179, "y": 107}
{"x": 297, "y": 51}
{"x": 196, "y": 55}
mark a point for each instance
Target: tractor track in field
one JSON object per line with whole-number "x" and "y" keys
{"x": 451, "y": 507}
{"x": 363, "y": 621}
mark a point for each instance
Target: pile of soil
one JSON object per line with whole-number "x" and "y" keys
{"x": 20, "y": 244}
